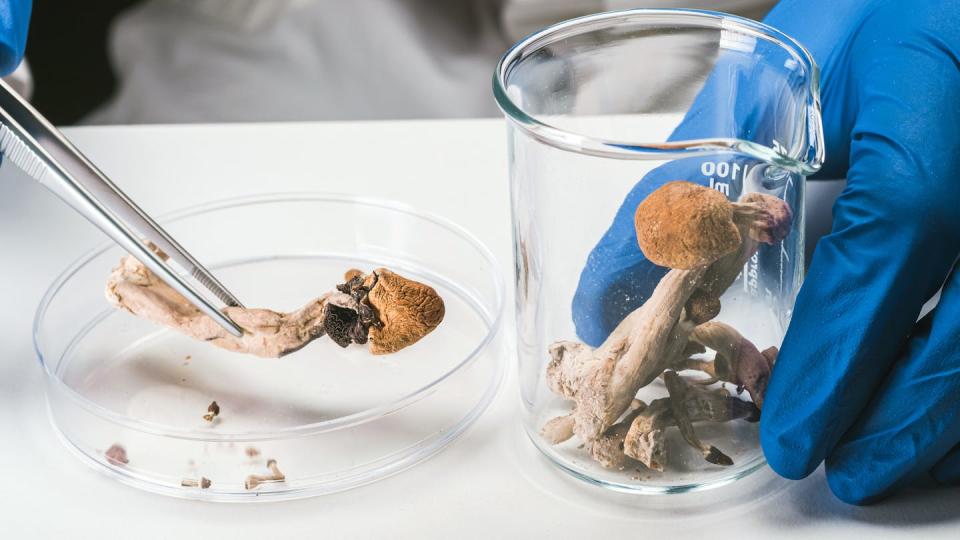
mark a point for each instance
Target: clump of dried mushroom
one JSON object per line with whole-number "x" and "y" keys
{"x": 705, "y": 240}
{"x": 202, "y": 483}
{"x": 383, "y": 308}
{"x": 254, "y": 481}
{"x": 116, "y": 455}
{"x": 213, "y": 411}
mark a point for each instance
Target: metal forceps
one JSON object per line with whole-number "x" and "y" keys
{"x": 30, "y": 141}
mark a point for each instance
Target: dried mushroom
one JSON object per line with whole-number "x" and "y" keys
{"x": 385, "y": 308}
{"x": 116, "y": 455}
{"x": 644, "y": 441}
{"x": 705, "y": 240}
{"x": 213, "y": 411}
{"x": 255, "y": 480}
{"x": 202, "y": 483}
{"x": 737, "y": 360}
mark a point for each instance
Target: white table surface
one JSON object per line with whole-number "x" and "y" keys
{"x": 489, "y": 483}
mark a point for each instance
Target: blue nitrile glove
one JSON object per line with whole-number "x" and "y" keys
{"x": 14, "y": 22}
{"x": 859, "y": 383}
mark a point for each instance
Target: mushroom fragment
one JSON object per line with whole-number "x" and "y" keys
{"x": 607, "y": 450}
{"x": 737, "y": 360}
{"x": 213, "y": 410}
{"x": 398, "y": 311}
{"x": 255, "y": 480}
{"x": 116, "y": 455}
{"x": 705, "y": 239}
{"x": 645, "y": 439}
{"x": 558, "y": 429}
{"x": 679, "y": 395}
{"x": 202, "y": 483}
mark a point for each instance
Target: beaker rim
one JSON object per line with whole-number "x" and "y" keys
{"x": 806, "y": 160}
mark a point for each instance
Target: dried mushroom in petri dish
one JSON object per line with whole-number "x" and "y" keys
{"x": 388, "y": 310}
{"x": 254, "y": 481}
{"x": 213, "y": 411}
{"x": 116, "y": 455}
{"x": 202, "y": 483}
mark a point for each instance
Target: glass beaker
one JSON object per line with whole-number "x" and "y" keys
{"x": 657, "y": 164}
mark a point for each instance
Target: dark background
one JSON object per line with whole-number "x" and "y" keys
{"x": 67, "y": 51}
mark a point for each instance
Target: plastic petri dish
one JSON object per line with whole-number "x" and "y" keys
{"x": 129, "y": 396}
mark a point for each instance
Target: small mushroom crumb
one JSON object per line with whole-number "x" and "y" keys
{"x": 116, "y": 455}
{"x": 203, "y": 483}
{"x": 251, "y": 452}
{"x": 213, "y": 410}
{"x": 254, "y": 480}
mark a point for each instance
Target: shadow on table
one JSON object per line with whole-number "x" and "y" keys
{"x": 811, "y": 501}
{"x": 763, "y": 499}
{"x": 695, "y": 510}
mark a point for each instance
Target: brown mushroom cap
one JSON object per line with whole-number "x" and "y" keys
{"x": 406, "y": 309}
{"x": 684, "y": 225}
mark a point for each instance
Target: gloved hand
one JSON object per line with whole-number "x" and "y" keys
{"x": 859, "y": 383}
{"x": 14, "y": 22}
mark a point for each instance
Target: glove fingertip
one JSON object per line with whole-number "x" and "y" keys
{"x": 787, "y": 458}
{"x": 848, "y": 487}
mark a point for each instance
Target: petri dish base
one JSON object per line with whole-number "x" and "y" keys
{"x": 332, "y": 418}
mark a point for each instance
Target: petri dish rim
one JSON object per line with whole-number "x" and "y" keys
{"x": 807, "y": 162}
{"x": 494, "y": 320}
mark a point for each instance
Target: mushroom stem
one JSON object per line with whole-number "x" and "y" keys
{"x": 644, "y": 440}
{"x": 254, "y": 480}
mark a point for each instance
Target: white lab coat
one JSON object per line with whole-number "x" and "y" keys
{"x": 259, "y": 60}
